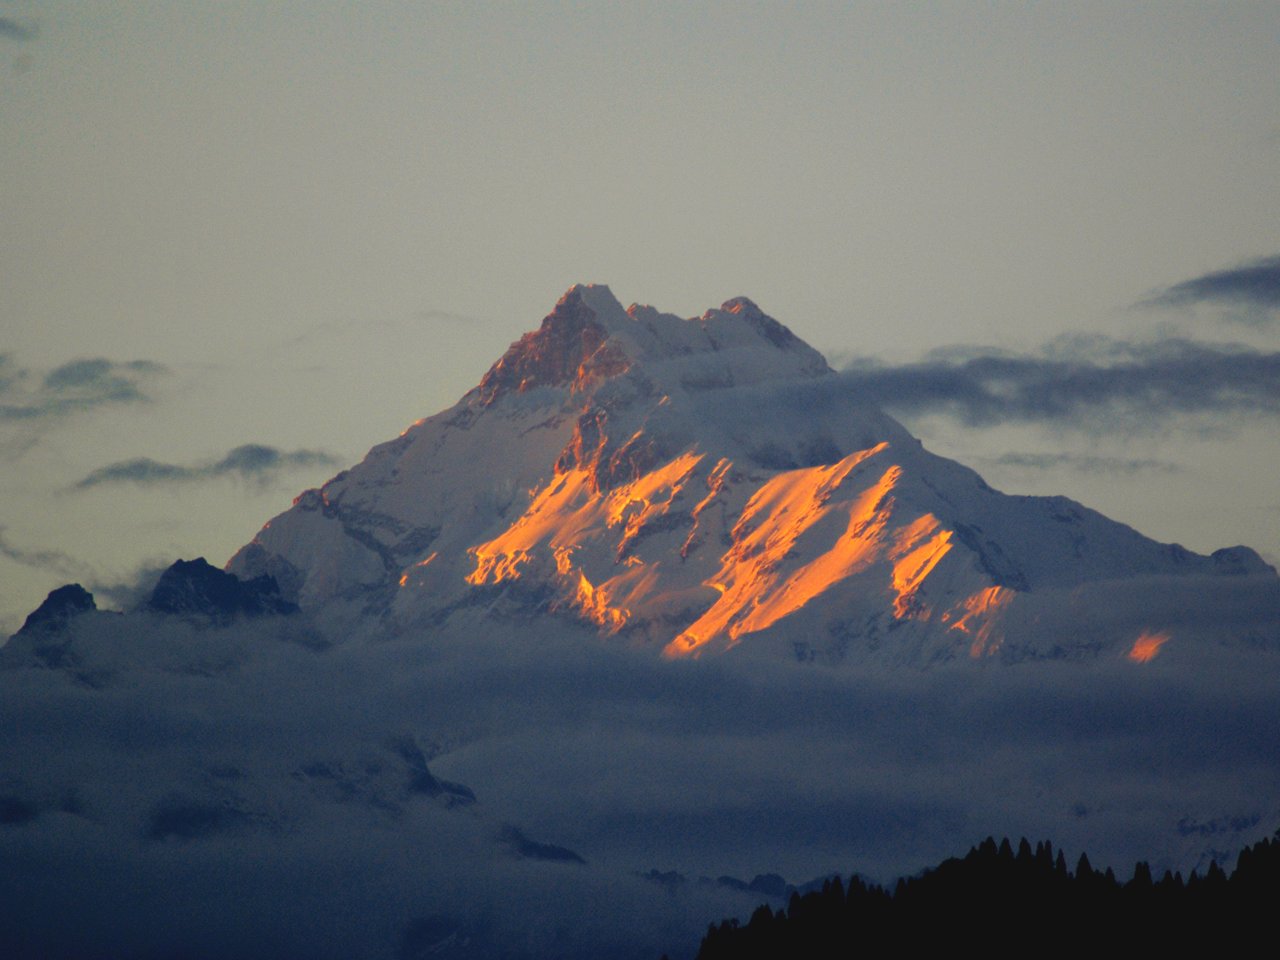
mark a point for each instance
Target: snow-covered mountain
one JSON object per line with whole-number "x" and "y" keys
{"x": 462, "y": 700}
{"x": 703, "y": 484}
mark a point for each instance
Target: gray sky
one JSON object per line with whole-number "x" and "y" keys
{"x": 240, "y": 243}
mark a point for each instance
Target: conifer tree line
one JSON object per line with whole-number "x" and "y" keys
{"x": 999, "y": 901}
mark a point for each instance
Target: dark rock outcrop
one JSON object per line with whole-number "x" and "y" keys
{"x": 195, "y": 587}
{"x": 60, "y": 607}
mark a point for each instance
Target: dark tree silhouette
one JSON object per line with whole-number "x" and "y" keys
{"x": 1001, "y": 901}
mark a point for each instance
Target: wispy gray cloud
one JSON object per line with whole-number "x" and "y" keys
{"x": 449, "y": 317}
{"x": 1256, "y": 283}
{"x": 121, "y": 593}
{"x": 1096, "y": 384}
{"x": 10, "y": 373}
{"x": 1083, "y": 463}
{"x": 76, "y": 387}
{"x": 248, "y": 462}
{"x": 328, "y": 330}
{"x": 53, "y": 561}
{"x": 130, "y": 591}
{"x": 16, "y": 29}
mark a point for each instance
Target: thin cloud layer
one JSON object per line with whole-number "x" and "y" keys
{"x": 1084, "y": 463}
{"x": 132, "y": 590}
{"x": 251, "y": 461}
{"x": 1254, "y": 284}
{"x": 16, "y": 29}
{"x": 54, "y": 561}
{"x": 330, "y": 330}
{"x": 74, "y": 388}
{"x": 1095, "y": 384}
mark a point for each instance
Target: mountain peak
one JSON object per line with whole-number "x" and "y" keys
{"x": 58, "y": 609}
{"x": 746, "y": 309}
{"x": 562, "y": 349}
{"x": 743, "y": 305}
{"x": 599, "y": 299}
{"x": 196, "y": 587}
{"x": 588, "y": 337}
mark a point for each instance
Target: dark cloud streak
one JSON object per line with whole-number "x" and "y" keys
{"x": 73, "y": 388}
{"x": 250, "y": 461}
{"x": 1070, "y": 384}
{"x": 1256, "y": 284}
{"x": 53, "y": 561}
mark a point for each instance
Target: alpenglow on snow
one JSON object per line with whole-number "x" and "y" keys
{"x": 700, "y": 485}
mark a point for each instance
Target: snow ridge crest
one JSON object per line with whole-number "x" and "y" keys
{"x": 588, "y": 338}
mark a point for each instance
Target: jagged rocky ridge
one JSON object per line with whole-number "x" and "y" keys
{"x": 59, "y": 608}
{"x": 188, "y": 588}
{"x": 706, "y": 484}
{"x": 195, "y": 587}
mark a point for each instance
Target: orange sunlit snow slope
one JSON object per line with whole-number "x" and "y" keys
{"x": 799, "y": 534}
{"x": 1147, "y": 646}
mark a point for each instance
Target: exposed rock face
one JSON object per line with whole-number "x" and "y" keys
{"x": 196, "y": 587}
{"x": 566, "y": 349}
{"x": 58, "y": 609}
{"x": 47, "y": 637}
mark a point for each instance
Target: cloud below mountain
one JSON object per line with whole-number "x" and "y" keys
{"x": 249, "y": 461}
{"x": 729, "y": 766}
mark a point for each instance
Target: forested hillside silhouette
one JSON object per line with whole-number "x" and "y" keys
{"x": 1004, "y": 901}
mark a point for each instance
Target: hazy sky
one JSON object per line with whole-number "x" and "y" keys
{"x": 240, "y": 243}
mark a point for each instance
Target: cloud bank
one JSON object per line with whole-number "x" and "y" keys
{"x": 249, "y": 461}
{"x": 250, "y": 791}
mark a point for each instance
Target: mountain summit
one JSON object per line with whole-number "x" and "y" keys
{"x": 589, "y": 338}
{"x": 702, "y": 484}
